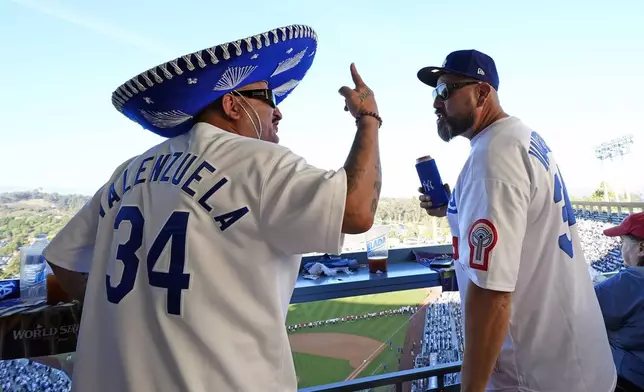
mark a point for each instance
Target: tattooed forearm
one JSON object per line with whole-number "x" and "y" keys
{"x": 353, "y": 178}
{"x": 355, "y": 171}
{"x": 376, "y": 198}
{"x": 377, "y": 186}
{"x": 362, "y": 169}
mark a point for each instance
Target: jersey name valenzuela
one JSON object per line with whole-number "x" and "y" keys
{"x": 172, "y": 169}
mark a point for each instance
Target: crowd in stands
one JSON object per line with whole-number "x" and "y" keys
{"x": 602, "y": 253}
{"x": 23, "y": 375}
{"x": 383, "y": 313}
{"x": 442, "y": 340}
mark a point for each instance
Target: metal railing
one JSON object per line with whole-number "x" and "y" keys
{"x": 396, "y": 379}
{"x": 608, "y": 207}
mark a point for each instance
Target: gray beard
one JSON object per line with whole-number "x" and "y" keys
{"x": 450, "y": 127}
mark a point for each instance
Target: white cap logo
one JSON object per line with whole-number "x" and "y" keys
{"x": 480, "y": 72}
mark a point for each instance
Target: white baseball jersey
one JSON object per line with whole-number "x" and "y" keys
{"x": 514, "y": 231}
{"x": 193, "y": 250}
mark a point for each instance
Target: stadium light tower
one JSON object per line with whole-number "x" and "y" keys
{"x": 610, "y": 150}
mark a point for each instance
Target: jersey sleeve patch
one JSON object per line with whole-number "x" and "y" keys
{"x": 482, "y": 239}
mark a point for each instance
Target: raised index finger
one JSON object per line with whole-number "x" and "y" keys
{"x": 356, "y": 76}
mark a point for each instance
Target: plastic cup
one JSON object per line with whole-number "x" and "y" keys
{"x": 377, "y": 248}
{"x": 55, "y": 292}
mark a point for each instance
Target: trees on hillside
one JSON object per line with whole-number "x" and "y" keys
{"x": 65, "y": 203}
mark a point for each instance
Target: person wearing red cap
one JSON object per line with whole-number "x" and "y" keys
{"x": 621, "y": 299}
{"x": 632, "y": 232}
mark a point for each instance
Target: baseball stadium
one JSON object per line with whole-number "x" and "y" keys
{"x": 349, "y": 338}
{"x": 344, "y": 339}
{"x": 222, "y": 142}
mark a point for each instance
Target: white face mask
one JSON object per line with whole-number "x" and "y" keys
{"x": 258, "y": 131}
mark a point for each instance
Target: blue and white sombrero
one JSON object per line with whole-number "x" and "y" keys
{"x": 166, "y": 98}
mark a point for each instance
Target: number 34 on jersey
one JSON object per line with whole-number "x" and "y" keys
{"x": 175, "y": 280}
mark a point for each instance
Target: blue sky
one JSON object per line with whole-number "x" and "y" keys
{"x": 569, "y": 69}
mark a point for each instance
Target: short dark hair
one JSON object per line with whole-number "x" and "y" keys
{"x": 215, "y": 106}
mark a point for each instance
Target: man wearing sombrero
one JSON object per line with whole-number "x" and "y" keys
{"x": 194, "y": 246}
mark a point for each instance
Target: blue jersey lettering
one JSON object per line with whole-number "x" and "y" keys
{"x": 540, "y": 150}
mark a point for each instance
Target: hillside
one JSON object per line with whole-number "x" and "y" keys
{"x": 15, "y": 204}
{"x": 25, "y": 214}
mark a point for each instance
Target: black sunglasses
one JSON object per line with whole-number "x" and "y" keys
{"x": 264, "y": 94}
{"x": 443, "y": 89}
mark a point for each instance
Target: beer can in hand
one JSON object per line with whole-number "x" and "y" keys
{"x": 430, "y": 181}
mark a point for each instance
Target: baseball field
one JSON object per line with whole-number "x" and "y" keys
{"x": 379, "y": 343}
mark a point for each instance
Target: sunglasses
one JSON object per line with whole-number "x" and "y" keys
{"x": 443, "y": 90}
{"x": 265, "y": 95}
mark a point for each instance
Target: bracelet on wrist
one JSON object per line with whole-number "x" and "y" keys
{"x": 370, "y": 114}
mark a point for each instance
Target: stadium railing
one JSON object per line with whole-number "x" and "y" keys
{"x": 395, "y": 378}
{"x": 594, "y": 208}
{"x": 403, "y": 273}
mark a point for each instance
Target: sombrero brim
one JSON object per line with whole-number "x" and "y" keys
{"x": 166, "y": 98}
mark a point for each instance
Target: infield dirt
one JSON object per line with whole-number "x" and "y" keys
{"x": 354, "y": 348}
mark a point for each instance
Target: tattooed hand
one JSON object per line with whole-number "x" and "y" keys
{"x": 361, "y": 98}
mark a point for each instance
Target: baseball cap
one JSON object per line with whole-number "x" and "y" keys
{"x": 470, "y": 63}
{"x": 632, "y": 224}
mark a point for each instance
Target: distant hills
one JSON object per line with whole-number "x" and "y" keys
{"x": 37, "y": 202}
{"x": 25, "y": 214}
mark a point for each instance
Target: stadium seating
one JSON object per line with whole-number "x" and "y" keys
{"x": 28, "y": 376}
{"x": 602, "y": 253}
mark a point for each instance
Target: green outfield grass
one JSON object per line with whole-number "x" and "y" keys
{"x": 324, "y": 310}
{"x": 315, "y": 370}
{"x": 327, "y": 369}
{"x": 389, "y": 356}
